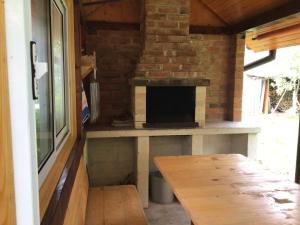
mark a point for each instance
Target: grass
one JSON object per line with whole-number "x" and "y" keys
{"x": 277, "y": 142}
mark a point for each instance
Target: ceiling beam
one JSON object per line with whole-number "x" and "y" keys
{"x": 96, "y": 2}
{"x": 194, "y": 29}
{"x": 288, "y": 9}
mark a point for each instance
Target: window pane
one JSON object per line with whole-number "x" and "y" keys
{"x": 58, "y": 68}
{"x": 43, "y": 112}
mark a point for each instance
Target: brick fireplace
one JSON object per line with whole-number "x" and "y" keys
{"x": 168, "y": 61}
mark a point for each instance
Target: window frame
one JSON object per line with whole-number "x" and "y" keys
{"x": 64, "y": 134}
{"x": 59, "y": 138}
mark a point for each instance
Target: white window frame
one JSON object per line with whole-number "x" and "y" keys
{"x": 64, "y": 134}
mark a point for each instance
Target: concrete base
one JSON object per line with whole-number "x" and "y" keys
{"x": 170, "y": 214}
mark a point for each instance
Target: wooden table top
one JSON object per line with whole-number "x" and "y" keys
{"x": 230, "y": 190}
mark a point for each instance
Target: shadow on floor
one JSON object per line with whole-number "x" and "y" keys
{"x": 168, "y": 214}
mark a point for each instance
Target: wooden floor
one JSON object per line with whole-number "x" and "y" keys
{"x": 230, "y": 190}
{"x": 116, "y": 205}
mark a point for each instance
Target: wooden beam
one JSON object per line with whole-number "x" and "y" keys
{"x": 209, "y": 30}
{"x": 93, "y": 26}
{"x": 288, "y": 9}
{"x": 99, "y": 2}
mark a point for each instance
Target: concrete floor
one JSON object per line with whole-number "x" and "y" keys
{"x": 168, "y": 214}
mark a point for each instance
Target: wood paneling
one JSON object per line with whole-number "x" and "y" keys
{"x": 78, "y": 201}
{"x": 114, "y": 205}
{"x": 127, "y": 11}
{"x": 201, "y": 15}
{"x": 276, "y": 35}
{"x": 51, "y": 181}
{"x": 230, "y": 189}
{"x": 7, "y": 205}
{"x": 235, "y": 11}
{"x": 57, "y": 208}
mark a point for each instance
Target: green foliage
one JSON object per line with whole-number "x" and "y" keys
{"x": 289, "y": 76}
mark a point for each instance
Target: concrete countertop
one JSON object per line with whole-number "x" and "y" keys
{"x": 211, "y": 128}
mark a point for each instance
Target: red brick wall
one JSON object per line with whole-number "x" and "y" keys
{"x": 117, "y": 56}
{"x": 167, "y": 48}
{"x": 214, "y": 55}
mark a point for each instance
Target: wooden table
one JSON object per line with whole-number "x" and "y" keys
{"x": 230, "y": 190}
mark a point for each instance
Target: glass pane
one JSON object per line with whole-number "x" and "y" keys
{"x": 43, "y": 112}
{"x": 58, "y": 68}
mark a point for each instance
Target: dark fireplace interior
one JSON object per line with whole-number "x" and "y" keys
{"x": 170, "y": 106}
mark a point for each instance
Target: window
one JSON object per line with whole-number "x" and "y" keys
{"x": 51, "y": 105}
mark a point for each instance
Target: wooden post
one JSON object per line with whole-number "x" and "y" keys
{"x": 142, "y": 150}
{"x": 77, "y": 37}
{"x": 7, "y": 195}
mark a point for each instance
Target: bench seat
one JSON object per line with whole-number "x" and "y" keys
{"x": 114, "y": 205}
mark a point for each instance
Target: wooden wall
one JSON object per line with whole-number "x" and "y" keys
{"x": 75, "y": 214}
{"x": 7, "y": 202}
{"x": 50, "y": 182}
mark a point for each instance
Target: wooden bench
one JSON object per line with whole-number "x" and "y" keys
{"x": 114, "y": 205}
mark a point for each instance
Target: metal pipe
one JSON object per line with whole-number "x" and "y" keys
{"x": 259, "y": 62}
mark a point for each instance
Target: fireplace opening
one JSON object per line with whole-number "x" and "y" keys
{"x": 170, "y": 106}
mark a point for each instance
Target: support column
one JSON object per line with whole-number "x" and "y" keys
{"x": 142, "y": 149}
{"x": 193, "y": 145}
{"x": 200, "y": 105}
{"x": 139, "y": 106}
{"x": 245, "y": 144}
{"x": 252, "y": 146}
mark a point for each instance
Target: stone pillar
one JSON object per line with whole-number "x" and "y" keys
{"x": 200, "y": 105}
{"x": 193, "y": 145}
{"x": 142, "y": 149}
{"x": 139, "y": 106}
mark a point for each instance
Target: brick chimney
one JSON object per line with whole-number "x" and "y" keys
{"x": 167, "y": 52}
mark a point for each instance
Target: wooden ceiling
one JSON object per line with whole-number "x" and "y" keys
{"x": 234, "y": 15}
{"x": 280, "y": 34}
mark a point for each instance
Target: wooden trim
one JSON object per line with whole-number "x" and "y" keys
{"x": 280, "y": 31}
{"x": 58, "y": 205}
{"x": 53, "y": 177}
{"x": 7, "y": 195}
{"x": 288, "y": 9}
{"x": 99, "y": 2}
{"x": 77, "y": 42}
{"x": 93, "y": 26}
{"x": 209, "y": 30}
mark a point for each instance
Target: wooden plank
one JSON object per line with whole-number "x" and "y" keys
{"x": 115, "y": 205}
{"x": 230, "y": 189}
{"x": 57, "y": 208}
{"x": 75, "y": 214}
{"x": 7, "y": 197}
{"x": 282, "y": 11}
{"x": 122, "y": 11}
{"x": 94, "y": 26}
{"x": 196, "y": 29}
{"x": 95, "y": 207}
{"x": 235, "y": 11}
{"x": 50, "y": 183}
